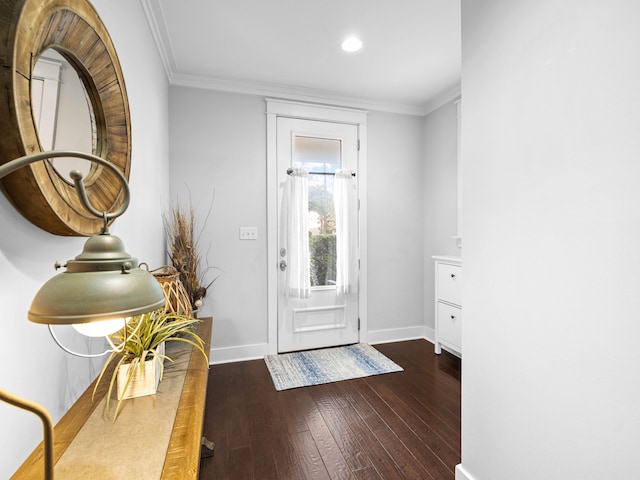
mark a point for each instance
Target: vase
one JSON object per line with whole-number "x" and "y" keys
{"x": 176, "y": 297}
{"x": 143, "y": 381}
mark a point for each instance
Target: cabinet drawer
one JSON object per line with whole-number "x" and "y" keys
{"x": 450, "y": 324}
{"x": 450, "y": 283}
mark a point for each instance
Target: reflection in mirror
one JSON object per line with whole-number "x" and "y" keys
{"x": 62, "y": 112}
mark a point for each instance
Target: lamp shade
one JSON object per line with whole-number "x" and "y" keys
{"x": 103, "y": 282}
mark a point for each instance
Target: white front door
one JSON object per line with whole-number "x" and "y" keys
{"x": 328, "y": 315}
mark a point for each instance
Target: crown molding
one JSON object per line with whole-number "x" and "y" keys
{"x": 442, "y": 99}
{"x": 291, "y": 92}
{"x": 163, "y": 44}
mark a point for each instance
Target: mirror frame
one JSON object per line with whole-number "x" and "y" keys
{"x": 74, "y": 29}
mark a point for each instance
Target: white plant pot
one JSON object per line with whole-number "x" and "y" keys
{"x": 144, "y": 381}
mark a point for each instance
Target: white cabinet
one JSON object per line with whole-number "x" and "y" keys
{"x": 448, "y": 303}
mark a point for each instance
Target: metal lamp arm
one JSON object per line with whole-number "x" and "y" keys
{"x": 18, "y": 163}
{"x": 47, "y": 426}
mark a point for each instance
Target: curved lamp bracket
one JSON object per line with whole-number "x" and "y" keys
{"x": 114, "y": 348}
{"x": 71, "y": 352}
{"x": 18, "y": 163}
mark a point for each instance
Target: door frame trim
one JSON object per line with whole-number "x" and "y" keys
{"x": 307, "y": 111}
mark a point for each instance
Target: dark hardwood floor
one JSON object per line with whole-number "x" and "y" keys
{"x": 402, "y": 425}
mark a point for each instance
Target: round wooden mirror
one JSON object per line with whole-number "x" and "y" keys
{"x": 74, "y": 30}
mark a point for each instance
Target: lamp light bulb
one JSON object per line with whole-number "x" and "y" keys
{"x": 101, "y": 328}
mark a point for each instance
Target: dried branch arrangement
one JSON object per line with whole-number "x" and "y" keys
{"x": 183, "y": 237}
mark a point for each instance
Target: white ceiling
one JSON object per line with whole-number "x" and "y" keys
{"x": 410, "y": 62}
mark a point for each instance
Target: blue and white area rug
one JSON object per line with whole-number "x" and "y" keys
{"x": 313, "y": 367}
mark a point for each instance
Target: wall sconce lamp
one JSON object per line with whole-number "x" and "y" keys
{"x": 100, "y": 288}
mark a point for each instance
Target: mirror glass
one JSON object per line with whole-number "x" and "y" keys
{"x": 62, "y": 112}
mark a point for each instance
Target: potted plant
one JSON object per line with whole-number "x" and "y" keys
{"x": 139, "y": 350}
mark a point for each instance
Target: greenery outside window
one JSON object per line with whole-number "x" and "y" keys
{"x": 321, "y": 157}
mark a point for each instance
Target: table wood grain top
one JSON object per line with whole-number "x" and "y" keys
{"x": 182, "y": 457}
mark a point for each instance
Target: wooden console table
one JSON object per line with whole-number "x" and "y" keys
{"x": 157, "y": 436}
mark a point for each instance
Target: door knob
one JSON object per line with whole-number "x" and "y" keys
{"x": 283, "y": 265}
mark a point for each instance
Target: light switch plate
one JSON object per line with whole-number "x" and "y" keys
{"x": 248, "y": 233}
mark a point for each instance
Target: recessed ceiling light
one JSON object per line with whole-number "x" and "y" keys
{"x": 352, "y": 44}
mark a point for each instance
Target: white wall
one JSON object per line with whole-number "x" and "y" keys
{"x": 440, "y": 190}
{"x": 32, "y": 366}
{"x": 550, "y": 220}
{"x": 218, "y": 143}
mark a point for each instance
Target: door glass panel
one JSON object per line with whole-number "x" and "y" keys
{"x": 321, "y": 157}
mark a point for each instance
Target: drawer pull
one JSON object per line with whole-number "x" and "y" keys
{"x": 453, "y": 275}
{"x": 453, "y": 317}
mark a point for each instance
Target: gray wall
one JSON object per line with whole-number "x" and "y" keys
{"x": 218, "y": 144}
{"x": 550, "y": 169}
{"x": 33, "y": 366}
{"x": 440, "y": 189}
{"x": 395, "y": 221}
{"x": 218, "y": 151}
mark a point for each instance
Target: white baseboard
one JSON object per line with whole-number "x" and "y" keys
{"x": 259, "y": 350}
{"x": 238, "y": 354}
{"x": 462, "y": 474}
{"x": 430, "y": 334}
{"x": 399, "y": 334}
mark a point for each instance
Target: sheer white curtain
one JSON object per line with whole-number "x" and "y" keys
{"x": 296, "y": 199}
{"x": 345, "y": 200}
